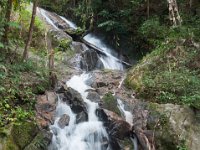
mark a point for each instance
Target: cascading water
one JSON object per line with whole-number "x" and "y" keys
{"x": 91, "y": 134}
{"x": 71, "y": 24}
{"x": 128, "y": 115}
{"x": 129, "y": 118}
{"x": 46, "y": 17}
{"x": 83, "y": 136}
{"x": 109, "y": 61}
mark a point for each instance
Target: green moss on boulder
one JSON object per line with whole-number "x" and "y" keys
{"x": 110, "y": 103}
{"x": 40, "y": 142}
{"x": 24, "y": 133}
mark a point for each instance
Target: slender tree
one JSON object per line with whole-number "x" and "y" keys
{"x": 30, "y": 33}
{"x": 8, "y": 18}
{"x": 174, "y": 13}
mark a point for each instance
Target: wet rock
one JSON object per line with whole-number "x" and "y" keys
{"x": 64, "y": 121}
{"x": 117, "y": 127}
{"x": 94, "y": 97}
{"x": 62, "y": 89}
{"x": 81, "y": 117}
{"x": 89, "y": 60}
{"x": 51, "y": 97}
{"x": 79, "y": 47}
{"x": 75, "y": 101}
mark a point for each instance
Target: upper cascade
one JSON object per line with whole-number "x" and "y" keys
{"x": 109, "y": 59}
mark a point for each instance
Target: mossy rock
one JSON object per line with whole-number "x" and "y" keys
{"x": 24, "y": 133}
{"x": 10, "y": 145}
{"x": 40, "y": 142}
{"x": 126, "y": 144}
{"x": 110, "y": 103}
{"x": 159, "y": 122}
{"x": 6, "y": 140}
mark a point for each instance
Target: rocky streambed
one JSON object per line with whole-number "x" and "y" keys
{"x": 153, "y": 126}
{"x": 150, "y": 126}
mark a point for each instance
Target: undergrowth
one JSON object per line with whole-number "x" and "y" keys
{"x": 170, "y": 74}
{"x": 19, "y": 84}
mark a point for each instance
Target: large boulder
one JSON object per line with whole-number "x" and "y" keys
{"x": 110, "y": 102}
{"x": 75, "y": 101}
{"x": 174, "y": 126}
{"x": 89, "y": 60}
{"x": 118, "y": 129}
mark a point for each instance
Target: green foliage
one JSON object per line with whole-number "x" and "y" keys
{"x": 153, "y": 30}
{"x": 19, "y": 83}
{"x": 182, "y": 146}
{"x": 168, "y": 75}
{"x": 64, "y": 45}
{"x": 55, "y": 5}
{"x": 39, "y": 29}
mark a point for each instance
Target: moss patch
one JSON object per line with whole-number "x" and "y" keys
{"x": 24, "y": 133}
{"x": 110, "y": 103}
{"x": 40, "y": 142}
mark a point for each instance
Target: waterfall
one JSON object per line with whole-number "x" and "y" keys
{"x": 83, "y": 136}
{"x": 91, "y": 134}
{"x": 109, "y": 61}
{"x": 128, "y": 115}
{"x": 44, "y": 13}
{"x": 71, "y": 24}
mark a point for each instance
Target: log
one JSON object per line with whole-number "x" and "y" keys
{"x": 103, "y": 53}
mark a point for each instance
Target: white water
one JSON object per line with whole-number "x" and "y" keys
{"x": 129, "y": 118}
{"x": 83, "y": 136}
{"x": 71, "y": 24}
{"x": 128, "y": 115}
{"x": 109, "y": 61}
{"x": 44, "y": 14}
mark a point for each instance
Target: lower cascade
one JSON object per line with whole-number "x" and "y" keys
{"x": 88, "y": 135}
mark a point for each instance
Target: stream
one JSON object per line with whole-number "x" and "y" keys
{"x": 90, "y": 134}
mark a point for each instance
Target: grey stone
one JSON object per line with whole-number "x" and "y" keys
{"x": 81, "y": 117}
{"x": 64, "y": 121}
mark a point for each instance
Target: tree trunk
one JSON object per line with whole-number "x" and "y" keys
{"x": 52, "y": 75}
{"x": 8, "y": 18}
{"x": 148, "y": 9}
{"x": 25, "y": 54}
{"x": 173, "y": 13}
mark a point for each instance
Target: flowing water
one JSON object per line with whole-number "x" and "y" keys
{"x": 109, "y": 61}
{"x": 89, "y": 135}
{"x": 71, "y": 24}
{"x": 44, "y": 13}
{"x": 83, "y": 136}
